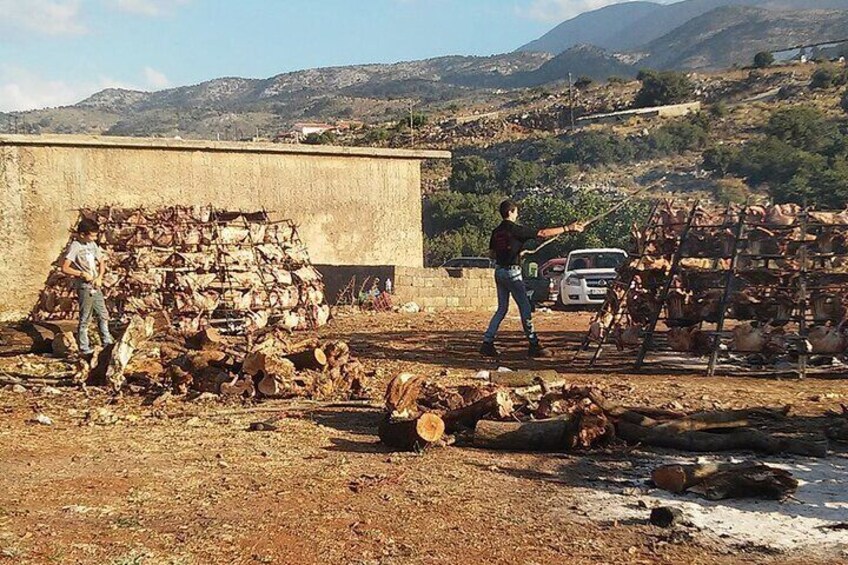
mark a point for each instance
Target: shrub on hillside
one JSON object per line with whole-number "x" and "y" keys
{"x": 763, "y": 59}
{"x": 828, "y": 76}
{"x": 662, "y": 87}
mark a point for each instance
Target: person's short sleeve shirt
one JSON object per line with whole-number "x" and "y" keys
{"x": 85, "y": 257}
{"x": 507, "y": 241}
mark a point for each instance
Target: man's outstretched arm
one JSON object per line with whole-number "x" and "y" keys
{"x": 574, "y": 227}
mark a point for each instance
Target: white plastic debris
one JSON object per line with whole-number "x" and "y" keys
{"x": 410, "y": 308}
{"x": 482, "y": 376}
{"x": 43, "y": 420}
{"x": 504, "y": 370}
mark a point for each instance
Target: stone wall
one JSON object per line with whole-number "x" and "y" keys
{"x": 446, "y": 289}
{"x": 354, "y": 206}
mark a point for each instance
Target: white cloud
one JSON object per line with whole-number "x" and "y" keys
{"x": 151, "y": 8}
{"x": 22, "y": 90}
{"x": 561, "y": 10}
{"x": 47, "y": 17}
{"x": 155, "y": 79}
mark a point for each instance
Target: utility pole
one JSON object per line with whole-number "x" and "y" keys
{"x": 571, "y": 99}
{"x": 411, "y": 126}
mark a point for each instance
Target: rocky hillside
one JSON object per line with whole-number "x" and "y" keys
{"x": 630, "y": 26}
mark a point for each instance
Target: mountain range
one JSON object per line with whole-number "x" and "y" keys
{"x": 617, "y": 40}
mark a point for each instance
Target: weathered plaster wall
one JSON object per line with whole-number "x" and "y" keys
{"x": 354, "y": 206}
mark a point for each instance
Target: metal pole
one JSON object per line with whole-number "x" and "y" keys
{"x": 571, "y": 99}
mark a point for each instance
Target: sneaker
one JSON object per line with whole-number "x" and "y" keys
{"x": 537, "y": 351}
{"x": 488, "y": 350}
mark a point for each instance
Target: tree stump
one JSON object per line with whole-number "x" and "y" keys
{"x": 412, "y": 434}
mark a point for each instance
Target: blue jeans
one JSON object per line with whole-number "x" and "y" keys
{"x": 509, "y": 282}
{"x": 91, "y": 301}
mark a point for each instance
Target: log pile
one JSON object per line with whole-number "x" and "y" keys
{"x": 765, "y": 281}
{"x": 158, "y": 358}
{"x": 272, "y": 364}
{"x": 235, "y": 271}
{"x": 558, "y": 417}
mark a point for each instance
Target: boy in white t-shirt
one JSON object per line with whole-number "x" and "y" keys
{"x": 85, "y": 262}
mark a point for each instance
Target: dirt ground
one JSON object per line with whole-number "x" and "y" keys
{"x": 186, "y": 483}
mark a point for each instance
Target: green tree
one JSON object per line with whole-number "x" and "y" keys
{"x": 612, "y": 231}
{"x": 763, "y": 59}
{"x": 804, "y": 127}
{"x": 517, "y": 175}
{"x": 828, "y": 76}
{"x": 325, "y": 138}
{"x": 472, "y": 174}
{"x": 583, "y": 82}
{"x": 662, "y": 87}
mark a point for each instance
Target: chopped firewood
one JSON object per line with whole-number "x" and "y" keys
{"x": 521, "y": 378}
{"x": 312, "y": 358}
{"x": 550, "y": 435}
{"x": 64, "y": 344}
{"x": 498, "y": 406}
{"x": 138, "y": 331}
{"x": 179, "y": 379}
{"x": 666, "y": 516}
{"x": 438, "y": 398}
{"x": 206, "y": 339}
{"x": 411, "y": 434}
{"x": 337, "y": 353}
{"x": 239, "y": 386}
{"x": 737, "y": 440}
{"x": 402, "y": 395}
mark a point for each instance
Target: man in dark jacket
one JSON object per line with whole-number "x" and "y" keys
{"x": 505, "y": 248}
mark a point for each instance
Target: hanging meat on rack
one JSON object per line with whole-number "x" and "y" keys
{"x": 827, "y": 339}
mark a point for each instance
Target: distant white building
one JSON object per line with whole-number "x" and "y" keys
{"x": 307, "y": 128}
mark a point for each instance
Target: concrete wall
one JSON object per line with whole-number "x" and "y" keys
{"x": 446, "y": 289}
{"x": 431, "y": 289}
{"x": 356, "y": 206}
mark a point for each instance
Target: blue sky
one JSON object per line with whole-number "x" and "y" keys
{"x": 55, "y": 52}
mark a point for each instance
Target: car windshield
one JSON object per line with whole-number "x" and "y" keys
{"x": 607, "y": 260}
{"x": 469, "y": 262}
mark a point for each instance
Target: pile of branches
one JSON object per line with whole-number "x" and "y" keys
{"x": 783, "y": 249}
{"x": 552, "y": 416}
{"x": 202, "y": 266}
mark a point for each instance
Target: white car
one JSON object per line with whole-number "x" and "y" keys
{"x": 588, "y": 274}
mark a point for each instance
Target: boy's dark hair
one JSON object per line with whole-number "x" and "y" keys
{"x": 506, "y": 207}
{"x": 87, "y": 226}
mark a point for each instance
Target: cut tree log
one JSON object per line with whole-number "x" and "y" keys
{"x": 550, "y": 435}
{"x": 739, "y": 440}
{"x": 412, "y": 434}
{"x": 522, "y": 378}
{"x": 678, "y": 478}
{"x": 498, "y": 405}
{"x": 21, "y": 340}
{"x": 402, "y": 395}
{"x": 64, "y": 344}
{"x": 312, "y": 358}
{"x": 756, "y": 481}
